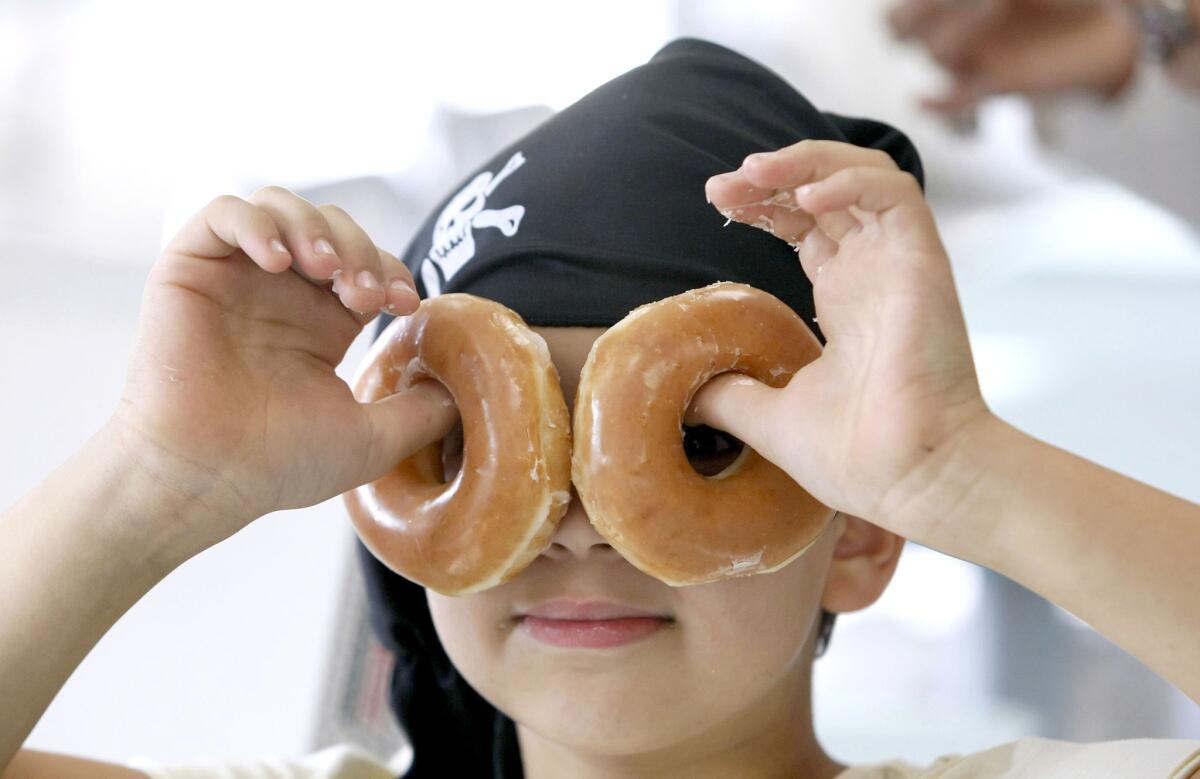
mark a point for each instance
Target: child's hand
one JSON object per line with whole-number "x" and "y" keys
{"x": 865, "y": 426}
{"x": 231, "y": 397}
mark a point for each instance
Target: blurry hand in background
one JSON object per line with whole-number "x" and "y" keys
{"x": 1031, "y": 47}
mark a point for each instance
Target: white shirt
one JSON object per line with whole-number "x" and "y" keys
{"x": 1031, "y": 757}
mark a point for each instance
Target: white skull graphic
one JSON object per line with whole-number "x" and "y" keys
{"x": 453, "y": 243}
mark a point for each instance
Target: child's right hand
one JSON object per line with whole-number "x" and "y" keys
{"x": 231, "y": 399}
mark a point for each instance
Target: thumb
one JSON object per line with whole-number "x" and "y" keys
{"x": 738, "y": 405}
{"x": 404, "y": 423}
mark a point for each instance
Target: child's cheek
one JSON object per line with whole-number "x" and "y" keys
{"x": 471, "y": 628}
{"x": 760, "y": 623}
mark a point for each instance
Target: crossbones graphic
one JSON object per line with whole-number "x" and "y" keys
{"x": 453, "y": 234}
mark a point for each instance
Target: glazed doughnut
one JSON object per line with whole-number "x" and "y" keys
{"x": 629, "y": 465}
{"x": 501, "y": 508}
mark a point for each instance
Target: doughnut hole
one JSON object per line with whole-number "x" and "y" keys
{"x": 452, "y": 453}
{"x": 446, "y": 461}
{"x": 712, "y": 453}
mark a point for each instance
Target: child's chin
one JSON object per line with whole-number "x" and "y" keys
{"x": 610, "y": 733}
{"x": 605, "y": 713}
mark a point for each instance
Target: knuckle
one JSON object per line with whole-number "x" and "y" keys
{"x": 799, "y": 150}
{"x": 329, "y": 209}
{"x": 753, "y": 160}
{"x": 881, "y": 158}
{"x": 818, "y": 160}
{"x": 855, "y": 179}
{"x": 812, "y": 149}
{"x": 271, "y": 192}
{"x": 292, "y": 211}
{"x": 225, "y": 201}
{"x": 909, "y": 182}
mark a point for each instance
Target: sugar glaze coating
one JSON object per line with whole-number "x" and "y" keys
{"x": 501, "y": 509}
{"x": 629, "y": 465}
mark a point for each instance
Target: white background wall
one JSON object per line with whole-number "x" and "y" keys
{"x": 118, "y": 119}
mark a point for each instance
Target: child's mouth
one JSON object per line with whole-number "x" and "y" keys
{"x": 591, "y": 633}
{"x": 589, "y": 624}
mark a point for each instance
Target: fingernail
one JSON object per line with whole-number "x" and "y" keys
{"x": 723, "y": 176}
{"x": 324, "y": 249}
{"x": 403, "y": 295}
{"x": 277, "y": 245}
{"x": 402, "y": 287}
{"x": 366, "y": 279}
{"x": 804, "y": 190}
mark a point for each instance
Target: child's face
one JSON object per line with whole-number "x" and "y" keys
{"x": 732, "y": 652}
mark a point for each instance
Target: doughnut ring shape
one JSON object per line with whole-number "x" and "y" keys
{"x": 502, "y": 508}
{"x": 629, "y": 466}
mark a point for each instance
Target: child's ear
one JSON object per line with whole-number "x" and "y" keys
{"x": 864, "y": 559}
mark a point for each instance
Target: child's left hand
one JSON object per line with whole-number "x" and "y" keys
{"x": 868, "y": 427}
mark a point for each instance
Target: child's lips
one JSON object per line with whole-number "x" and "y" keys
{"x": 591, "y": 633}
{"x": 580, "y": 609}
{"x": 579, "y": 624}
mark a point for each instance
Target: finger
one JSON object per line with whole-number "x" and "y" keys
{"x": 736, "y": 195}
{"x": 790, "y": 226}
{"x": 784, "y": 221}
{"x": 808, "y": 160}
{"x": 360, "y": 284}
{"x": 816, "y": 251}
{"x": 229, "y": 224}
{"x": 731, "y": 191}
{"x": 404, "y": 423}
{"x": 402, "y": 295}
{"x": 760, "y": 192}
{"x": 837, "y": 224}
{"x": 734, "y": 403}
{"x": 871, "y": 190}
{"x": 304, "y": 229}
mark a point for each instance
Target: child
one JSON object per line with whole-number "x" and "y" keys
{"x": 232, "y": 410}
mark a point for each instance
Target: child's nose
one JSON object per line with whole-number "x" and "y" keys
{"x": 575, "y": 536}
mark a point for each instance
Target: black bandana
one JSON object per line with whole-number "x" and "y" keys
{"x": 596, "y": 211}
{"x": 601, "y": 208}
